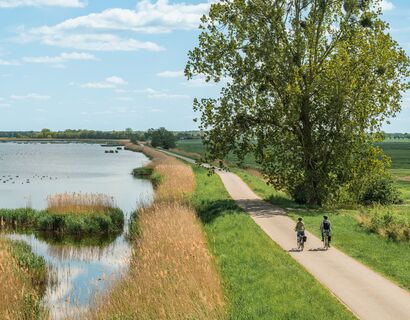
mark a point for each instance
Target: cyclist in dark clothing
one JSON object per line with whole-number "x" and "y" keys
{"x": 326, "y": 227}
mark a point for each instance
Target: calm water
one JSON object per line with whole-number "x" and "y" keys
{"x": 31, "y": 172}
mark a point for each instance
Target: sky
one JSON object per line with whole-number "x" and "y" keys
{"x": 114, "y": 64}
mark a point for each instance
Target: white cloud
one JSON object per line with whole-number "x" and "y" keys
{"x": 387, "y": 5}
{"x": 171, "y": 74}
{"x": 157, "y": 17}
{"x": 115, "y": 80}
{"x": 9, "y": 62}
{"x": 60, "y": 59}
{"x": 156, "y": 94}
{"x": 98, "y": 42}
{"x": 109, "y": 83}
{"x": 30, "y": 96}
{"x": 41, "y": 3}
{"x": 97, "y": 85}
{"x": 94, "y": 31}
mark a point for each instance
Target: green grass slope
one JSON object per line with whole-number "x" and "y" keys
{"x": 261, "y": 281}
{"x": 386, "y": 256}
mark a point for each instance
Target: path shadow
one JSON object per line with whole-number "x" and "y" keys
{"x": 318, "y": 249}
{"x": 212, "y": 209}
{"x": 295, "y": 250}
{"x": 260, "y": 208}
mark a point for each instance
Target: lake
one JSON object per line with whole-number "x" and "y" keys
{"x": 31, "y": 172}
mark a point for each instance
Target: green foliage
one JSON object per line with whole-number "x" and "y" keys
{"x": 34, "y": 265}
{"x": 388, "y": 222}
{"x": 309, "y": 87}
{"x": 382, "y": 190}
{"x": 134, "y": 229}
{"x": 70, "y": 134}
{"x": 259, "y": 278}
{"x": 147, "y": 173}
{"x": 32, "y": 308}
{"x": 161, "y": 138}
{"x": 109, "y": 222}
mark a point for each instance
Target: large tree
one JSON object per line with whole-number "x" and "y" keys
{"x": 308, "y": 85}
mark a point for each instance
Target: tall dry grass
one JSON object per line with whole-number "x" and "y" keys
{"x": 172, "y": 274}
{"x": 17, "y": 293}
{"x": 79, "y": 203}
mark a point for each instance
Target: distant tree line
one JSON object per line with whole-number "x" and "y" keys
{"x": 397, "y": 136}
{"x": 73, "y": 134}
{"x": 157, "y": 137}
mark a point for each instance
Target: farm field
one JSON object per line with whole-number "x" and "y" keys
{"x": 399, "y": 151}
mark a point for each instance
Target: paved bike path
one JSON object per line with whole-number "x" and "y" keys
{"x": 366, "y": 293}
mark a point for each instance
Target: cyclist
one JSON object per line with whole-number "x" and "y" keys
{"x": 326, "y": 228}
{"x": 300, "y": 229}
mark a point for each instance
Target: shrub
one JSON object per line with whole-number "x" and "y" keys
{"x": 148, "y": 173}
{"x": 381, "y": 190}
{"x": 388, "y": 222}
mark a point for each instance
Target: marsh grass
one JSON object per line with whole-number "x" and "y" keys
{"x": 22, "y": 282}
{"x": 80, "y": 203}
{"x": 68, "y": 214}
{"x": 171, "y": 275}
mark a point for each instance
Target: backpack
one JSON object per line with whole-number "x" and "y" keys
{"x": 326, "y": 225}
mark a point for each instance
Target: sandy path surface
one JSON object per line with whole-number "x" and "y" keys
{"x": 366, "y": 293}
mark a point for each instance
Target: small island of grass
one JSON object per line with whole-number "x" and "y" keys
{"x": 68, "y": 214}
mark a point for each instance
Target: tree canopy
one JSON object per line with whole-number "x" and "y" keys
{"x": 161, "y": 138}
{"x": 309, "y": 84}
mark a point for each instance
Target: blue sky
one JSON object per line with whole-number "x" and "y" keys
{"x": 106, "y": 64}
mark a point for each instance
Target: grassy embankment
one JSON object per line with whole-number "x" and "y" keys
{"x": 256, "y": 273}
{"x": 171, "y": 275}
{"x": 23, "y": 278}
{"x": 68, "y": 214}
{"x": 375, "y": 236}
{"x": 261, "y": 281}
{"x": 380, "y": 253}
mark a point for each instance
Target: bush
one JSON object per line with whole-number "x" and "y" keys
{"x": 381, "y": 190}
{"x": 388, "y": 222}
{"x": 147, "y": 173}
{"x": 109, "y": 221}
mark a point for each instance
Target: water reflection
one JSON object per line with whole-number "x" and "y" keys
{"x": 80, "y": 268}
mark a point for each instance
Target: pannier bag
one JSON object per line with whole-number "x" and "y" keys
{"x": 304, "y": 238}
{"x": 330, "y": 238}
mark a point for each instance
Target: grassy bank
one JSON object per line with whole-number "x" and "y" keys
{"x": 172, "y": 275}
{"x": 22, "y": 282}
{"x": 148, "y": 173}
{"x": 377, "y": 251}
{"x": 68, "y": 215}
{"x": 261, "y": 281}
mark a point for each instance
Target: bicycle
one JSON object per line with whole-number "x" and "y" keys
{"x": 301, "y": 241}
{"x": 326, "y": 241}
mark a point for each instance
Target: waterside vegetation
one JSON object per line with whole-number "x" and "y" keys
{"x": 23, "y": 277}
{"x": 68, "y": 214}
{"x": 172, "y": 275}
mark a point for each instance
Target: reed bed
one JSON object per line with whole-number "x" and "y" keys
{"x": 21, "y": 283}
{"x": 172, "y": 274}
{"x": 79, "y": 203}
